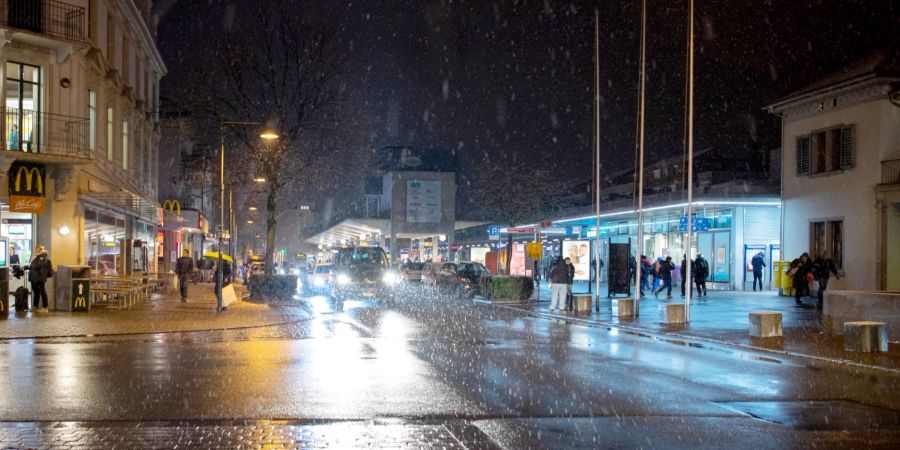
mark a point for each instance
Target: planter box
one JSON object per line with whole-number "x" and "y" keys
{"x": 272, "y": 287}
{"x": 507, "y": 288}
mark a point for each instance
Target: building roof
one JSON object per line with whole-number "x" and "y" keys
{"x": 880, "y": 63}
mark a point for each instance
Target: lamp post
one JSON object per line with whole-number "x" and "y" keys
{"x": 268, "y": 135}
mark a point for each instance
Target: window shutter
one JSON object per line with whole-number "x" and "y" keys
{"x": 803, "y": 155}
{"x": 848, "y": 151}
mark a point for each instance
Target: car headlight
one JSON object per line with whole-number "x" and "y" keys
{"x": 343, "y": 278}
{"x": 319, "y": 282}
{"x": 391, "y": 278}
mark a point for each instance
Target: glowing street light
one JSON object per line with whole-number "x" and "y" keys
{"x": 269, "y": 135}
{"x": 253, "y": 208}
{"x": 259, "y": 179}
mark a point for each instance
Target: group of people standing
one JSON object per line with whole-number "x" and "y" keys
{"x": 804, "y": 271}
{"x": 184, "y": 267}
{"x": 661, "y": 273}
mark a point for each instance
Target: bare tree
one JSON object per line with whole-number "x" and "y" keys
{"x": 277, "y": 67}
{"x": 513, "y": 193}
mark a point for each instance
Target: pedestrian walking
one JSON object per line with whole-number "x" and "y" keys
{"x": 184, "y": 267}
{"x": 758, "y": 263}
{"x": 801, "y": 272}
{"x": 559, "y": 279}
{"x": 823, "y": 268}
{"x": 655, "y": 272}
{"x": 700, "y": 272}
{"x": 645, "y": 273}
{"x": 665, "y": 275}
{"x": 40, "y": 269}
{"x": 570, "y": 279}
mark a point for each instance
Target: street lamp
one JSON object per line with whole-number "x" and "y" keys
{"x": 267, "y": 135}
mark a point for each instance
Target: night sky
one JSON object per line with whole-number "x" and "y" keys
{"x": 483, "y": 78}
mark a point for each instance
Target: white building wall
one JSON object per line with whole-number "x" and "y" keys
{"x": 846, "y": 195}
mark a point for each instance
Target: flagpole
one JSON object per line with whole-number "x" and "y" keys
{"x": 690, "y": 161}
{"x": 640, "y": 208}
{"x": 597, "y": 152}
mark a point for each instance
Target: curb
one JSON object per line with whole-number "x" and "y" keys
{"x": 138, "y": 333}
{"x": 646, "y": 332}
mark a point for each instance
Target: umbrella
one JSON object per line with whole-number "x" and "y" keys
{"x": 215, "y": 255}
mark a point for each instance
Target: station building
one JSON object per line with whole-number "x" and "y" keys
{"x": 841, "y": 171}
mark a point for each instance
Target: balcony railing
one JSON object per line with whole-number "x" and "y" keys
{"x": 43, "y": 133}
{"x": 890, "y": 171}
{"x": 50, "y": 17}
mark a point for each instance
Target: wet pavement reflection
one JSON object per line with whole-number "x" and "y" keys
{"x": 426, "y": 364}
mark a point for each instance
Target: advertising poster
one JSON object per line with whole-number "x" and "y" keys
{"x": 423, "y": 201}
{"x": 517, "y": 264}
{"x": 580, "y": 254}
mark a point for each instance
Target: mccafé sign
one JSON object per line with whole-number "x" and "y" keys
{"x": 27, "y": 187}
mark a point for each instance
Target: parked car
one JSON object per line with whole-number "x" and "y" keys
{"x": 460, "y": 278}
{"x": 321, "y": 278}
{"x": 412, "y": 271}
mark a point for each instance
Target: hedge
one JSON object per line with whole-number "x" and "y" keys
{"x": 503, "y": 287}
{"x": 278, "y": 287}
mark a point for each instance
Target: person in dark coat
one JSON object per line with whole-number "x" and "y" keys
{"x": 823, "y": 268}
{"x": 40, "y": 269}
{"x": 645, "y": 273}
{"x": 700, "y": 272}
{"x": 570, "y": 279}
{"x": 665, "y": 275}
{"x": 802, "y": 270}
{"x": 684, "y": 274}
{"x": 559, "y": 279}
{"x": 758, "y": 263}
{"x": 184, "y": 266}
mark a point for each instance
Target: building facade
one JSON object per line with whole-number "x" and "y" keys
{"x": 80, "y": 131}
{"x": 841, "y": 171}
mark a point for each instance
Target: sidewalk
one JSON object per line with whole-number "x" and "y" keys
{"x": 163, "y": 313}
{"x": 723, "y": 317}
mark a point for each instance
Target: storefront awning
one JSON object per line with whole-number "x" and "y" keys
{"x": 126, "y": 202}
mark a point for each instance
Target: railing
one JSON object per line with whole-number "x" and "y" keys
{"x": 890, "y": 171}
{"x": 50, "y": 17}
{"x": 37, "y": 132}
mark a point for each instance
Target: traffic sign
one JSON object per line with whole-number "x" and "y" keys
{"x": 493, "y": 233}
{"x": 698, "y": 224}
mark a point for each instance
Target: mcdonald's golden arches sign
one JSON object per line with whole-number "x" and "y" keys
{"x": 27, "y": 187}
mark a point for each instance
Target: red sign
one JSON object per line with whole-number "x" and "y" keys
{"x": 522, "y": 230}
{"x": 546, "y": 223}
{"x": 25, "y": 204}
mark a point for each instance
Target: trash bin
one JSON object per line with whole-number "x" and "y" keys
{"x": 4, "y": 293}
{"x": 787, "y": 283}
{"x": 73, "y": 289}
{"x": 777, "y": 272}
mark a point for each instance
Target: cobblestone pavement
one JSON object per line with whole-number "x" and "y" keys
{"x": 265, "y": 434}
{"x": 163, "y": 313}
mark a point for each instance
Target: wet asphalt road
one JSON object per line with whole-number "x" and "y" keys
{"x": 464, "y": 374}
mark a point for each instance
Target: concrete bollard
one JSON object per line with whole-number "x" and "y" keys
{"x": 865, "y": 337}
{"x": 671, "y": 313}
{"x": 583, "y": 303}
{"x": 765, "y": 324}
{"x": 626, "y": 307}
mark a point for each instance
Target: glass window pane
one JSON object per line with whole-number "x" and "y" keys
{"x": 12, "y": 70}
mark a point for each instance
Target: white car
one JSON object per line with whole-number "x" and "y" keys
{"x": 321, "y": 278}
